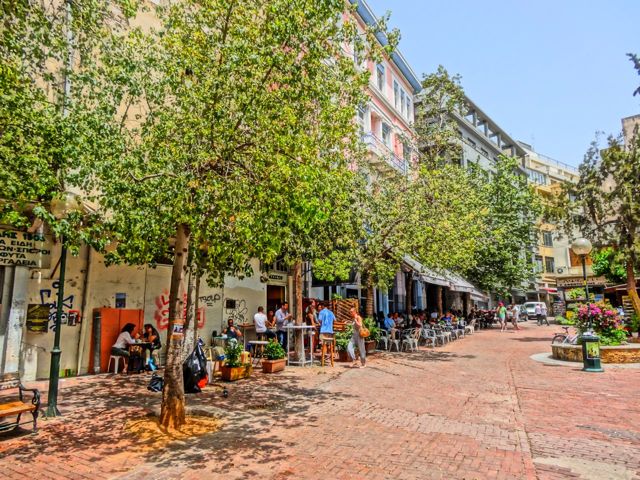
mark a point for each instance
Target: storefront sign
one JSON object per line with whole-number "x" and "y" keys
{"x": 579, "y": 282}
{"x": 273, "y": 276}
{"x": 24, "y": 249}
{"x": 38, "y": 318}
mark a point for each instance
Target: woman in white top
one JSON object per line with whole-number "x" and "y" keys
{"x": 121, "y": 347}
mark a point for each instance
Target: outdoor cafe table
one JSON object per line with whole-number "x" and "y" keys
{"x": 137, "y": 356}
{"x": 304, "y": 329}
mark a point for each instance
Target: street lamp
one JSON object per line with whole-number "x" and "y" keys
{"x": 590, "y": 342}
{"x": 60, "y": 209}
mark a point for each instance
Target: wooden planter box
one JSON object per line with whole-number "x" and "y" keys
{"x": 370, "y": 346}
{"x": 273, "y": 366}
{"x": 231, "y": 374}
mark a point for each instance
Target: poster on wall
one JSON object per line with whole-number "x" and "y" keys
{"x": 37, "y": 318}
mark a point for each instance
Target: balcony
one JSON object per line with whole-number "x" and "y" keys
{"x": 383, "y": 157}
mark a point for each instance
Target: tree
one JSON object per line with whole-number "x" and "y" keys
{"x": 636, "y": 64}
{"x": 608, "y": 262}
{"x": 234, "y": 112}
{"x": 603, "y": 205}
{"x": 504, "y": 256}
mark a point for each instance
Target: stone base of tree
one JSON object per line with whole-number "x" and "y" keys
{"x": 617, "y": 354}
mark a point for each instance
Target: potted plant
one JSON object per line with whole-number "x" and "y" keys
{"x": 233, "y": 368}
{"x": 374, "y": 335}
{"x": 635, "y": 325}
{"x": 274, "y": 358}
{"x": 342, "y": 341}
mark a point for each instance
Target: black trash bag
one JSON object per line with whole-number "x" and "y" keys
{"x": 156, "y": 384}
{"x": 194, "y": 370}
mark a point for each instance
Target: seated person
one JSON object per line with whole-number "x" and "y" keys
{"x": 260, "y": 321}
{"x": 389, "y": 324}
{"x": 152, "y": 336}
{"x": 121, "y": 347}
{"x": 447, "y": 317}
{"x": 231, "y": 331}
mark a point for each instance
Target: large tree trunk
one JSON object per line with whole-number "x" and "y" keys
{"x": 172, "y": 414}
{"x": 409, "y": 302}
{"x": 297, "y": 313}
{"x": 368, "y": 309}
{"x": 439, "y": 300}
{"x": 631, "y": 286}
{"x": 188, "y": 343}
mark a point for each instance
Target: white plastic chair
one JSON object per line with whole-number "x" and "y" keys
{"x": 429, "y": 337}
{"x": 384, "y": 338}
{"x": 408, "y": 340}
{"x": 394, "y": 340}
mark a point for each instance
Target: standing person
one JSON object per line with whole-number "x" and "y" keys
{"x": 538, "y": 311}
{"x": 356, "y": 339}
{"x": 543, "y": 312}
{"x": 282, "y": 318}
{"x": 326, "y": 318}
{"x": 501, "y": 313}
{"x": 513, "y": 311}
{"x": 260, "y": 321}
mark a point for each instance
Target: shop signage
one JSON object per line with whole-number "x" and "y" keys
{"x": 579, "y": 282}
{"x": 25, "y": 249}
{"x": 273, "y": 276}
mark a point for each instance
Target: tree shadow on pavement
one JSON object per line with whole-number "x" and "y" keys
{"x": 532, "y": 339}
{"x": 95, "y": 413}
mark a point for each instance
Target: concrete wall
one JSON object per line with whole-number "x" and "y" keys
{"x": 143, "y": 287}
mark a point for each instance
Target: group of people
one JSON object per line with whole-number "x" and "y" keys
{"x": 128, "y": 336}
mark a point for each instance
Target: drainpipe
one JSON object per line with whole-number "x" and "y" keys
{"x": 84, "y": 324}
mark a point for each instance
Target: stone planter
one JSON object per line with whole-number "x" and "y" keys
{"x": 273, "y": 366}
{"x": 619, "y": 354}
{"x": 231, "y": 374}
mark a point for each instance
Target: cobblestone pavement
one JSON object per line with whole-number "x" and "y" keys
{"x": 478, "y": 408}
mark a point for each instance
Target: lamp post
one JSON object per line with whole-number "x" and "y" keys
{"x": 590, "y": 341}
{"x": 60, "y": 208}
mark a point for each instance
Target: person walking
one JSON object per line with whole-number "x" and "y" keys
{"x": 543, "y": 312}
{"x": 538, "y": 311}
{"x": 357, "y": 340}
{"x": 512, "y": 314}
{"x": 501, "y": 313}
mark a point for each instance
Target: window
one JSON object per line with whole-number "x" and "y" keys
{"x": 408, "y": 100}
{"x": 362, "y": 118}
{"x": 380, "y": 77}
{"x": 547, "y": 239}
{"x": 396, "y": 95}
{"x": 386, "y": 134}
{"x": 539, "y": 264}
{"x": 549, "y": 264}
{"x": 537, "y": 177}
{"x": 403, "y": 105}
{"x": 406, "y": 151}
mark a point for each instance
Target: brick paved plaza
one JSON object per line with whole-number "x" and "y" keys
{"x": 477, "y": 408}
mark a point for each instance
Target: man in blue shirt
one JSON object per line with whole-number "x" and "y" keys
{"x": 389, "y": 323}
{"x": 326, "y": 319}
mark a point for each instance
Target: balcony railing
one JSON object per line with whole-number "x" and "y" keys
{"x": 379, "y": 148}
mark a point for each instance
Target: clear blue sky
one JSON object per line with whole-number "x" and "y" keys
{"x": 550, "y": 72}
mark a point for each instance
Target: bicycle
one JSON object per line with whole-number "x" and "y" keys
{"x": 565, "y": 338}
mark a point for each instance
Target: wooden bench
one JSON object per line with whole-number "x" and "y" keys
{"x": 17, "y": 408}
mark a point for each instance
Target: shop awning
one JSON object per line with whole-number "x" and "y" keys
{"x": 459, "y": 284}
{"x": 425, "y": 274}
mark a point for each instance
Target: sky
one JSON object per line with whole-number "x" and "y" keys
{"x": 549, "y": 72}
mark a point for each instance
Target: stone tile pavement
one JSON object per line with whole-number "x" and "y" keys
{"x": 478, "y": 408}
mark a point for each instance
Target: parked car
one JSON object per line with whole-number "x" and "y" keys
{"x": 529, "y": 309}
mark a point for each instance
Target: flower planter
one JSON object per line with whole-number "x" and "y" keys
{"x": 273, "y": 366}
{"x": 370, "y": 346}
{"x": 231, "y": 374}
{"x": 343, "y": 356}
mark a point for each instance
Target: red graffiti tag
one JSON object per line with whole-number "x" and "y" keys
{"x": 161, "y": 315}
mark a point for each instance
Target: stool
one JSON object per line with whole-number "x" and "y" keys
{"x": 330, "y": 341}
{"x": 116, "y": 360}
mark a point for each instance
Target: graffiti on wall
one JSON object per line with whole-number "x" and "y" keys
{"x": 161, "y": 314}
{"x": 210, "y": 300}
{"x": 49, "y": 299}
{"x": 236, "y": 309}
